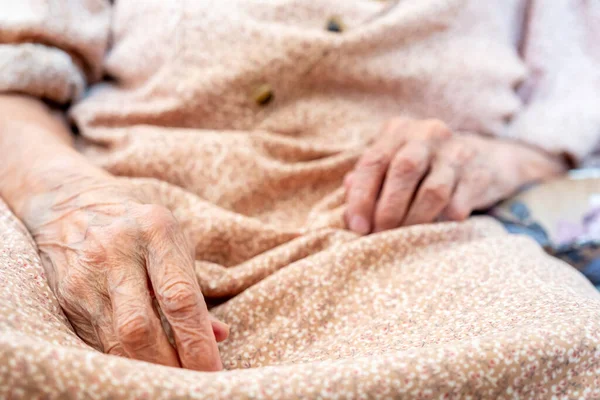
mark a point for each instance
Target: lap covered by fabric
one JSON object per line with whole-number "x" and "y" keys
{"x": 422, "y": 312}
{"x": 242, "y": 118}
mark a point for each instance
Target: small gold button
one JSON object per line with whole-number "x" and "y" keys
{"x": 263, "y": 94}
{"x": 335, "y": 24}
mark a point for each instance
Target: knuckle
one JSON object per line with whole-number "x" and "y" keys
{"x": 159, "y": 217}
{"x": 438, "y": 129}
{"x": 179, "y": 298}
{"x": 158, "y": 214}
{"x": 373, "y": 160}
{"x": 458, "y": 213}
{"x": 195, "y": 343}
{"x": 134, "y": 329}
{"x": 403, "y": 166}
{"x": 438, "y": 193}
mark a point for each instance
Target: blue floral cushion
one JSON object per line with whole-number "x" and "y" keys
{"x": 563, "y": 216}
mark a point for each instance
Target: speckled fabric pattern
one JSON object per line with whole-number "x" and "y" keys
{"x": 242, "y": 117}
{"x": 447, "y": 310}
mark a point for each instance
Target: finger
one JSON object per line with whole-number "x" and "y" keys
{"x": 364, "y": 189}
{"x": 136, "y": 322}
{"x": 433, "y": 196}
{"x": 363, "y": 185}
{"x": 470, "y": 189}
{"x": 171, "y": 271}
{"x": 95, "y": 325}
{"x": 405, "y": 172}
{"x": 88, "y": 311}
{"x": 104, "y": 329}
{"x": 220, "y": 329}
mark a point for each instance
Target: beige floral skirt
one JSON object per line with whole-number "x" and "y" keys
{"x": 427, "y": 312}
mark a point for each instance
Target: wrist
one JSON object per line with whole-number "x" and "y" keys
{"x": 36, "y": 154}
{"x": 535, "y": 165}
{"x": 521, "y": 161}
{"x": 46, "y": 182}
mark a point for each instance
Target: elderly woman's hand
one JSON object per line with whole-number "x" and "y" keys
{"x": 107, "y": 255}
{"x": 418, "y": 171}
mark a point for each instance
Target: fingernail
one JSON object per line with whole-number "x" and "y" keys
{"x": 360, "y": 225}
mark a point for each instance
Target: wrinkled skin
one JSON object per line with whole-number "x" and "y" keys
{"x": 418, "y": 171}
{"x": 109, "y": 257}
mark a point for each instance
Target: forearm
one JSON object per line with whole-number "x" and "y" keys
{"x": 66, "y": 202}
{"x": 36, "y": 152}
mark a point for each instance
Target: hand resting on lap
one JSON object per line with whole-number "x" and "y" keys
{"x": 419, "y": 171}
{"x": 109, "y": 256}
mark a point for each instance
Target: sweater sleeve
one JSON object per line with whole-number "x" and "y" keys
{"x": 561, "y": 47}
{"x": 52, "y": 49}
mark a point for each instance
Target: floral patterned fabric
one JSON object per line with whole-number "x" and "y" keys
{"x": 242, "y": 117}
{"x": 574, "y": 234}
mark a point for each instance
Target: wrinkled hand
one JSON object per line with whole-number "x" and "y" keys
{"x": 109, "y": 257}
{"x": 418, "y": 171}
